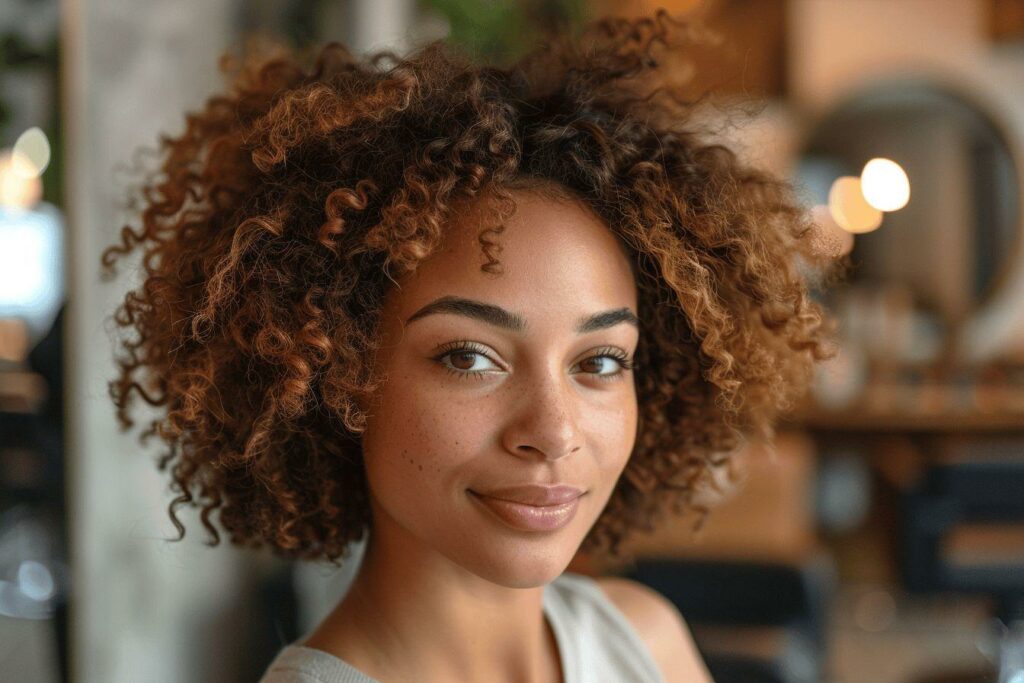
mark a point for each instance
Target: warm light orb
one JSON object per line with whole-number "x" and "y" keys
{"x": 16, "y": 190}
{"x": 32, "y": 151}
{"x": 885, "y": 185}
{"x": 848, "y": 207}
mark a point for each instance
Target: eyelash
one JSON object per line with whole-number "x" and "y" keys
{"x": 624, "y": 361}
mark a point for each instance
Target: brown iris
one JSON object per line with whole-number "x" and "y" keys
{"x": 467, "y": 355}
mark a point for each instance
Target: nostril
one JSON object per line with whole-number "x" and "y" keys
{"x": 552, "y": 453}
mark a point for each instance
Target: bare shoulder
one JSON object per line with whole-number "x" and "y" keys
{"x": 661, "y": 627}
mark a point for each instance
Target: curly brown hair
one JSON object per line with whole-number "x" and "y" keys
{"x": 279, "y": 218}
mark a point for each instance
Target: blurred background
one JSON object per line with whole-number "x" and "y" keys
{"x": 881, "y": 541}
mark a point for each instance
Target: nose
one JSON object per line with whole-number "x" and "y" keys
{"x": 545, "y": 424}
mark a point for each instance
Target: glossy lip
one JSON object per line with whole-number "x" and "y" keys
{"x": 523, "y": 517}
{"x": 534, "y": 494}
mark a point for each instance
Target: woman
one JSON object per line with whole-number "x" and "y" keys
{"x": 484, "y": 317}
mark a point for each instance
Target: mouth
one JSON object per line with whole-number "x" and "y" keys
{"x": 525, "y": 517}
{"x": 534, "y": 494}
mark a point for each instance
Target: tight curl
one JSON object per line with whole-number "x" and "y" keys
{"x": 277, "y": 221}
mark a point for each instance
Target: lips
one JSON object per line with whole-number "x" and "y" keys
{"x": 557, "y": 507}
{"x": 534, "y": 494}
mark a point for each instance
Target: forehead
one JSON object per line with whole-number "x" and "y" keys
{"x": 556, "y": 256}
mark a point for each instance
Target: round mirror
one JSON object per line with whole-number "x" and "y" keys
{"x": 950, "y": 245}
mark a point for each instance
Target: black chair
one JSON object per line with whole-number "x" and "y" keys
{"x": 736, "y": 599}
{"x": 983, "y": 491}
{"x": 985, "y": 488}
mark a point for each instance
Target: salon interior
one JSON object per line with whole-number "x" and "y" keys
{"x": 880, "y": 541}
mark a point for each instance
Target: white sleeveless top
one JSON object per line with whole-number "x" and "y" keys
{"x": 596, "y": 643}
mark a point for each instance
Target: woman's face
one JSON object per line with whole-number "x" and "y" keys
{"x": 502, "y": 381}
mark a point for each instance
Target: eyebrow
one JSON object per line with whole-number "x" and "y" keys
{"x": 499, "y": 317}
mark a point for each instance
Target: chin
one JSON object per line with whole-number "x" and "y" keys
{"x": 522, "y": 565}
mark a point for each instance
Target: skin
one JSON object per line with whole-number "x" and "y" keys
{"x": 446, "y": 591}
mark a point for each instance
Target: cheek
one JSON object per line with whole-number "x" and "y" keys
{"x": 418, "y": 444}
{"x": 612, "y": 430}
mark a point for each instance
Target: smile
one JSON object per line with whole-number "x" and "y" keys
{"x": 524, "y": 517}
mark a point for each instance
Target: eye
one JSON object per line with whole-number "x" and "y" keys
{"x": 466, "y": 359}
{"x": 462, "y": 358}
{"x": 622, "y": 363}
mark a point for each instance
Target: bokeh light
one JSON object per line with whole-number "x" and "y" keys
{"x": 32, "y": 152}
{"x": 18, "y": 188}
{"x": 885, "y": 185}
{"x": 31, "y": 265}
{"x": 35, "y": 580}
{"x": 848, "y": 207}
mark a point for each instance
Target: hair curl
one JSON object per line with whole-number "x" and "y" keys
{"x": 278, "y": 219}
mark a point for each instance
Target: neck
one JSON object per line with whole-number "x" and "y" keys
{"x": 418, "y": 616}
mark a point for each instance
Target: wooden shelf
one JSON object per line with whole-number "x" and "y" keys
{"x": 867, "y": 421}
